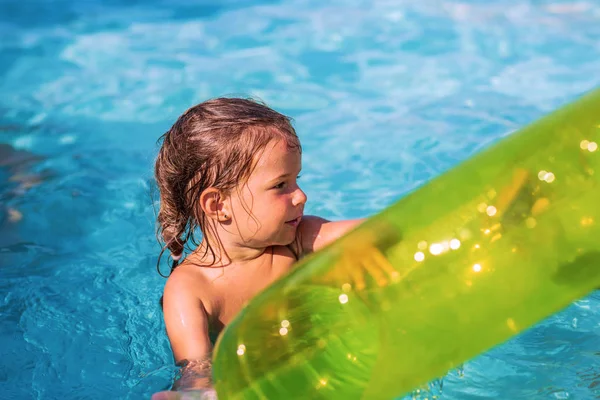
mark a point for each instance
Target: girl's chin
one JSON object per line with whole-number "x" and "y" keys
{"x": 286, "y": 239}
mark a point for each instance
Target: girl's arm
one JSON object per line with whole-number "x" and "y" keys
{"x": 316, "y": 232}
{"x": 187, "y": 328}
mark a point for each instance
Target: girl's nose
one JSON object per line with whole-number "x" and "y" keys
{"x": 299, "y": 197}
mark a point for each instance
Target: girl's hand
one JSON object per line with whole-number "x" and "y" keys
{"x": 196, "y": 394}
{"x": 362, "y": 263}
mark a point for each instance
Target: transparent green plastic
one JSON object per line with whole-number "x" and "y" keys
{"x": 460, "y": 265}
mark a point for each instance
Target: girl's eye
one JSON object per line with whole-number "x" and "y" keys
{"x": 281, "y": 185}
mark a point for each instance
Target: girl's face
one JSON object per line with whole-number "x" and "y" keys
{"x": 267, "y": 209}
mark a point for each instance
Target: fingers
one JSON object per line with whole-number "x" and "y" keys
{"x": 166, "y": 395}
{"x": 356, "y": 264}
{"x": 355, "y": 270}
{"x": 370, "y": 262}
{"x": 385, "y": 270}
{"x": 199, "y": 394}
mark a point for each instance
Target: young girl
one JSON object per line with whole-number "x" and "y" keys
{"x": 229, "y": 168}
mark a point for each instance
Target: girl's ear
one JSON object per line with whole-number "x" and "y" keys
{"x": 214, "y": 205}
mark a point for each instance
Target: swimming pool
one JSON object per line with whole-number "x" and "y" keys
{"x": 385, "y": 94}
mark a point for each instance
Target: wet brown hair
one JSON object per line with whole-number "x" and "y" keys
{"x": 213, "y": 144}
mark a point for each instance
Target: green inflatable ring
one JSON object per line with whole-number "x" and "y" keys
{"x": 460, "y": 265}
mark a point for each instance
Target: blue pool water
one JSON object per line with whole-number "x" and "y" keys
{"x": 386, "y": 94}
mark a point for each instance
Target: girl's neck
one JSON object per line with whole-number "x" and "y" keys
{"x": 222, "y": 255}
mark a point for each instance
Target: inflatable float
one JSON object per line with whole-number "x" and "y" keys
{"x": 465, "y": 262}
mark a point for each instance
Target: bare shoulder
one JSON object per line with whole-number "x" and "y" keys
{"x": 185, "y": 287}
{"x": 184, "y": 281}
{"x": 315, "y": 232}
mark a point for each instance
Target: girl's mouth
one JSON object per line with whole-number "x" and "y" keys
{"x": 294, "y": 222}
